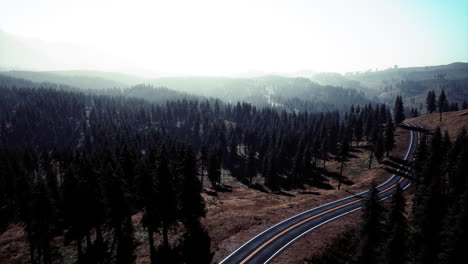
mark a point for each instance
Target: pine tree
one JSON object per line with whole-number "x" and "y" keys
{"x": 166, "y": 198}
{"x": 358, "y": 131}
{"x": 342, "y": 157}
{"x": 430, "y": 206}
{"x": 251, "y": 169}
{"x": 271, "y": 173}
{"x": 147, "y": 194}
{"x": 196, "y": 244}
{"x": 118, "y": 202}
{"x": 42, "y": 215}
{"x": 399, "y": 111}
{"x": 214, "y": 169}
{"x": 442, "y": 104}
{"x": 456, "y": 181}
{"x": 431, "y": 102}
{"x": 371, "y": 230}
{"x": 389, "y": 137}
{"x": 203, "y": 162}
{"x": 192, "y": 203}
{"x": 455, "y": 230}
{"x": 126, "y": 244}
{"x": 395, "y": 245}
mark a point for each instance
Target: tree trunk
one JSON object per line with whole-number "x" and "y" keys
{"x": 99, "y": 241}
{"x": 165, "y": 236}
{"x": 80, "y": 251}
{"x": 151, "y": 244}
{"x": 341, "y": 174}
{"x": 201, "y": 174}
{"x": 47, "y": 255}
{"x": 370, "y": 159}
{"x": 88, "y": 241}
{"x": 31, "y": 252}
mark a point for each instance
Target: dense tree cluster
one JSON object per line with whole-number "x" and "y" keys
{"x": 442, "y": 104}
{"x": 436, "y": 232}
{"x": 90, "y": 195}
{"x": 80, "y": 165}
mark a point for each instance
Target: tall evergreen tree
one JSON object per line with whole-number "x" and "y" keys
{"x": 147, "y": 193}
{"x": 166, "y": 198}
{"x": 342, "y": 157}
{"x": 214, "y": 168}
{"x": 251, "y": 168}
{"x": 395, "y": 245}
{"x": 399, "y": 111}
{"x": 429, "y": 209}
{"x": 442, "y": 104}
{"x": 431, "y": 102}
{"x": 389, "y": 137}
{"x": 371, "y": 230}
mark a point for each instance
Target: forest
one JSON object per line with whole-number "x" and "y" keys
{"x": 79, "y": 164}
{"x": 430, "y": 229}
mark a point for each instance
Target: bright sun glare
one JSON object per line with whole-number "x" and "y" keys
{"x": 231, "y": 37}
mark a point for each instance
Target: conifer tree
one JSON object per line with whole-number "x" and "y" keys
{"x": 251, "y": 169}
{"x": 358, "y": 130}
{"x": 431, "y": 102}
{"x": 455, "y": 231}
{"x": 126, "y": 244}
{"x": 399, "y": 111}
{"x": 389, "y": 137}
{"x": 42, "y": 215}
{"x": 166, "y": 199}
{"x": 442, "y": 104}
{"x": 196, "y": 244}
{"x": 196, "y": 241}
{"x": 342, "y": 157}
{"x": 395, "y": 245}
{"x": 430, "y": 208}
{"x": 214, "y": 169}
{"x": 203, "y": 162}
{"x": 371, "y": 229}
{"x": 147, "y": 194}
{"x": 192, "y": 203}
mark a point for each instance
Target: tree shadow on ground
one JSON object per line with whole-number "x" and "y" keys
{"x": 336, "y": 176}
{"x": 283, "y": 193}
{"x": 399, "y": 160}
{"x": 223, "y": 188}
{"x": 309, "y": 192}
{"x": 259, "y": 187}
{"x": 391, "y": 163}
{"x": 400, "y": 173}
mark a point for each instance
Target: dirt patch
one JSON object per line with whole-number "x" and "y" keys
{"x": 238, "y": 213}
{"x": 234, "y": 218}
{"x": 453, "y": 122}
{"x": 13, "y": 246}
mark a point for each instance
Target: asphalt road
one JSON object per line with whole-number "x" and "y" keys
{"x": 266, "y": 245}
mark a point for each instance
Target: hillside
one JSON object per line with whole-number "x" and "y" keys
{"x": 412, "y": 83}
{"x": 453, "y": 122}
{"x": 284, "y": 92}
{"x": 82, "y": 79}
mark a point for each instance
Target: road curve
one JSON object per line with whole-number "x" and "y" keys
{"x": 266, "y": 245}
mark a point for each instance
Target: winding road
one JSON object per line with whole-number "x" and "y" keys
{"x": 266, "y": 245}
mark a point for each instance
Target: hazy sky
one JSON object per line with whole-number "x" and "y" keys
{"x": 228, "y": 37}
